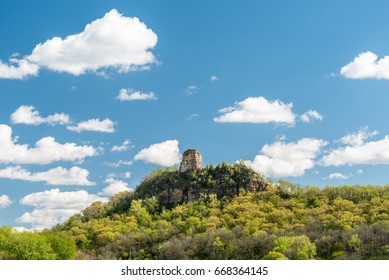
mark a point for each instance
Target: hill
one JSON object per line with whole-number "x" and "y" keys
{"x": 220, "y": 212}
{"x": 171, "y": 186}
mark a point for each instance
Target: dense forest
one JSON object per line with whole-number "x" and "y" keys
{"x": 236, "y": 215}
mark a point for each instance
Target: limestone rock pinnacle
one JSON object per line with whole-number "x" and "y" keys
{"x": 191, "y": 160}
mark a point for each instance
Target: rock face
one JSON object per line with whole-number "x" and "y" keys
{"x": 191, "y": 160}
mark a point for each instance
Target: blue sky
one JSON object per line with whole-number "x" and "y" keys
{"x": 95, "y": 95}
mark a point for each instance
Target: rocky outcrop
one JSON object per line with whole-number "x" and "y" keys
{"x": 191, "y": 160}
{"x": 192, "y": 181}
{"x": 188, "y": 191}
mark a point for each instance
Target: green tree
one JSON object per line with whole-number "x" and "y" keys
{"x": 295, "y": 247}
{"x": 24, "y": 246}
{"x": 62, "y": 245}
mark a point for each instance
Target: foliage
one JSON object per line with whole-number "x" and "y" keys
{"x": 222, "y": 180}
{"x": 25, "y": 245}
{"x": 295, "y": 247}
{"x": 283, "y": 222}
{"x": 278, "y": 221}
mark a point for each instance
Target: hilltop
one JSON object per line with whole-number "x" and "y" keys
{"x": 171, "y": 186}
{"x": 175, "y": 186}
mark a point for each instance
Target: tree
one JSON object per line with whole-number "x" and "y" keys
{"x": 63, "y": 246}
{"x": 24, "y": 246}
{"x": 95, "y": 211}
{"x": 295, "y": 247}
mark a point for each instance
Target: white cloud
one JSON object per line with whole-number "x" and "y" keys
{"x": 359, "y": 171}
{"x": 29, "y": 115}
{"x": 367, "y": 65}
{"x": 287, "y": 159}
{"x": 22, "y": 229}
{"x": 131, "y": 95}
{"x": 190, "y": 90}
{"x": 56, "y": 176}
{"x": 113, "y": 41}
{"x": 53, "y": 206}
{"x": 94, "y": 125}
{"x": 119, "y": 163}
{"x": 214, "y": 78}
{"x": 114, "y": 187}
{"x": 374, "y": 152}
{"x": 311, "y": 115}
{"x": 125, "y": 175}
{"x": 4, "y": 201}
{"x": 164, "y": 154}
{"x": 123, "y": 147}
{"x": 46, "y": 150}
{"x": 358, "y": 138}
{"x": 257, "y": 110}
{"x": 281, "y": 137}
{"x": 18, "y": 69}
{"x": 47, "y": 218}
{"x": 337, "y": 175}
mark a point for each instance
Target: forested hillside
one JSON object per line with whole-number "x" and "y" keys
{"x": 274, "y": 221}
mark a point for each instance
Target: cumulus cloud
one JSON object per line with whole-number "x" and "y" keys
{"x": 311, "y": 115}
{"x": 29, "y": 115}
{"x": 282, "y": 159}
{"x": 46, "y": 150}
{"x": 367, "y": 65}
{"x": 22, "y": 229}
{"x": 358, "y": 138}
{"x": 53, "y": 206}
{"x": 56, "y": 176}
{"x": 131, "y": 95}
{"x": 114, "y": 187}
{"x": 257, "y": 110}
{"x": 164, "y": 154}
{"x": 337, "y": 175}
{"x": 214, "y": 78}
{"x": 373, "y": 153}
{"x": 113, "y": 41}
{"x": 4, "y": 201}
{"x": 18, "y": 69}
{"x": 96, "y": 125}
{"x": 123, "y": 147}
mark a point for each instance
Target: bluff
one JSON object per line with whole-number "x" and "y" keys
{"x": 192, "y": 180}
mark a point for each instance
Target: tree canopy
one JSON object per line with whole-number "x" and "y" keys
{"x": 279, "y": 221}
